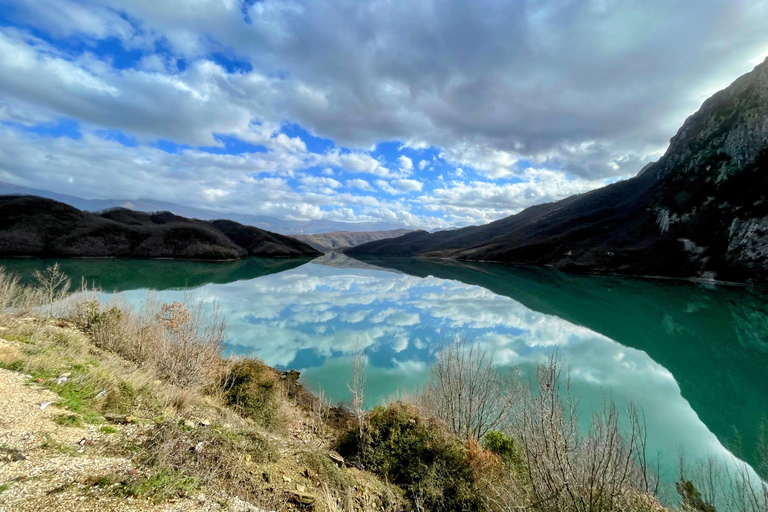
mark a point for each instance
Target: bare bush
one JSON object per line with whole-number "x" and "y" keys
{"x": 600, "y": 471}
{"x": 710, "y": 485}
{"x": 9, "y": 287}
{"x": 193, "y": 335}
{"x": 181, "y": 341}
{"x": 357, "y": 386}
{"x": 467, "y": 392}
{"x": 17, "y": 298}
{"x": 54, "y": 283}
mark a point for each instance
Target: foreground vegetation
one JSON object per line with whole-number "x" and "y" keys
{"x": 150, "y": 385}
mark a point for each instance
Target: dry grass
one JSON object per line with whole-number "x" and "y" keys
{"x": 181, "y": 342}
{"x": 17, "y": 299}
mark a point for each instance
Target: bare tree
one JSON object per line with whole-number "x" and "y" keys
{"x": 603, "y": 470}
{"x": 54, "y": 283}
{"x": 466, "y": 391}
{"x": 357, "y": 389}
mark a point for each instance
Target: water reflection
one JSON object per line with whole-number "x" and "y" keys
{"x": 692, "y": 357}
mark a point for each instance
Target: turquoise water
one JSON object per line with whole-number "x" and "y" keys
{"x": 692, "y": 357}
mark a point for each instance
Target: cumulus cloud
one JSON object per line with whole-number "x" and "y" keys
{"x": 399, "y": 186}
{"x": 325, "y": 185}
{"x": 359, "y": 184}
{"x": 470, "y": 201}
{"x": 406, "y": 164}
{"x": 582, "y": 91}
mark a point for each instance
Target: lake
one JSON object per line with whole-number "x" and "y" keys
{"x": 693, "y": 357}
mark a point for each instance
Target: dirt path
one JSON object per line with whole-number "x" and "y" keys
{"x": 45, "y": 466}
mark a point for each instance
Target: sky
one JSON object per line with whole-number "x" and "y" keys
{"x": 430, "y": 114}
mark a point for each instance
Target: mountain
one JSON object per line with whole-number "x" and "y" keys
{"x": 338, "y": 240}
{"x": 150, "y": 205}
{"x": 35, "y": 226}
{"x": 700, "y": 211}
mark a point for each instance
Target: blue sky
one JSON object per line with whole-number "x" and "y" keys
{"x": 428, "y": 114}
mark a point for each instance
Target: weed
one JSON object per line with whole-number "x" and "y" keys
{"x": 69, "y": 420}
{"x": 157, "y": 487}
{"x": 108, "y": 429}
{"x": 11, "y": 454}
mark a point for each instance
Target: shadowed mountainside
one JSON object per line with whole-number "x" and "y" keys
{"x": 266, "y": 222}
{"x": 701, "y": 210}
{"x": 38, "y": 227}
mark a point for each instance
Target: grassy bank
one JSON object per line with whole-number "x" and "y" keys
{"x": 148, "y": 385}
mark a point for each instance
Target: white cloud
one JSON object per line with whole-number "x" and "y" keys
{"x": 510, "y": 87}
{"x": 386, "y": 187}
{"x": 353, "y": 162}
{"x": 479, "y": 201}
{"x": 359, "y": 184}
{"x": 318, "y": 183}
{"x": 408, "y": 185}
{"x": 406, "y": 164}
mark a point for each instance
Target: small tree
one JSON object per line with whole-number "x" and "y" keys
{"x": 54, "y": 283}
{"x": 357, "y": 388}
{"x": 466, "y": 391}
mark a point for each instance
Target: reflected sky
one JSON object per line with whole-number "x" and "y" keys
{"x": 313, "y": 316}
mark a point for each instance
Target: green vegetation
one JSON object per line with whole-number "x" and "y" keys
{"x": 416, "y": 453}
{"x": 251, "y": 386}
{"x": 155, "y": 487}
{"x": 68, "y": 420}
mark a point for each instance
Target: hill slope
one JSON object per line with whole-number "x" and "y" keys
{"x": 701, "y": 210}
{"x": 338, "y": 240}
{"x": 151, "y": 205}
{"x": 34, "y": 226}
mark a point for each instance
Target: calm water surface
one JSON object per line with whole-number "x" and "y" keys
{"x": 693, "y": 357}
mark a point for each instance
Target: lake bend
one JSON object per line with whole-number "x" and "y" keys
{"x": 692, "y": 357}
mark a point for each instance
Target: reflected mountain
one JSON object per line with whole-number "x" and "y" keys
{"x": 337, "y": 259}
{"x": 714, "y": 340}
{"x": 118, "y": 275}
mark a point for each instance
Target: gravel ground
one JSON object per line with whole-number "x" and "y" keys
{"x": 42, "y": 466}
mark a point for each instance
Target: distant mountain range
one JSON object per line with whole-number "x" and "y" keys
{"x": 700, "y": 211}
{"x": 338, "y": 240}
{"x": 40, "y": 227}
{"x": 285, "y": 227}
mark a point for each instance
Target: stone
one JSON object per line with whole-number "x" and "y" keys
{"x": 335, "y": 457}
{"x": 119, "y": 418}
{"x": 301, "y": 498}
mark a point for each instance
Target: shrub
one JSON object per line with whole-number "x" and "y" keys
{"x": 251, "y": 387}
{"x": 571, "y": 471}
{"x": 181, "y": 342}
{"x": 417, "y": 454}
{"x": 54, "y": 283}
{"x": 692, "y": 500}
{"x": 467, "y": 392}
{"x": 500, "y": 444}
